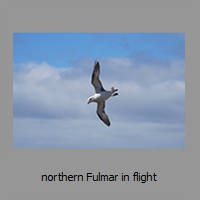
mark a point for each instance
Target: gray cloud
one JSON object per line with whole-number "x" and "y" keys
{"x": 50, "y": 105}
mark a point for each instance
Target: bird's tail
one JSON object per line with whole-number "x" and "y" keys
{"x": 114, "y": 90}
{"x": 115, "y": 94}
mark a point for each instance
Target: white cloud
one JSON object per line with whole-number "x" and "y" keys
{"x": 50, "y": 105}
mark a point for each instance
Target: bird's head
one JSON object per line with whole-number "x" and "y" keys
{"x": 90, "y": 99}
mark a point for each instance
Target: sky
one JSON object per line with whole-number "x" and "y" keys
{"x": 52, "y": 83}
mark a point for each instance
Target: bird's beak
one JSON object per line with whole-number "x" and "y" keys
{"x": 88, "y": 102}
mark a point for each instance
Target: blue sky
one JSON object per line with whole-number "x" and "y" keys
{"x": 51, "y": 84}
{"x": 59, "y": 49}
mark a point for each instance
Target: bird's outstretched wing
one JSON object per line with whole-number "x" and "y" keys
{"x": 95, "y": 78}
{"x": 101, "y": 113}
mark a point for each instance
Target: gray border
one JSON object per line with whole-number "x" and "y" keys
{"x": 21, "y": 168}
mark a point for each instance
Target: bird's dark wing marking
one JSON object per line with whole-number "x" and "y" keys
{"x": 95, "y": 78}
{"x": 101, "y": 113}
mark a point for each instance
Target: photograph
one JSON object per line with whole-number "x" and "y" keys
{"x": 98, "y": 90}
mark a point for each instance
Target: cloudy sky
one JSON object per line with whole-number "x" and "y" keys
{"x": 52, "y": 82}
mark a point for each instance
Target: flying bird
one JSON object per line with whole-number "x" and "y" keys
{"x": 101, "y": 95}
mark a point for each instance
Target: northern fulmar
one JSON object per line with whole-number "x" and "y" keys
{"x": 101, "y": 95}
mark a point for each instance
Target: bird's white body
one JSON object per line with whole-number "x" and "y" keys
{"x": 101, "y": 96}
